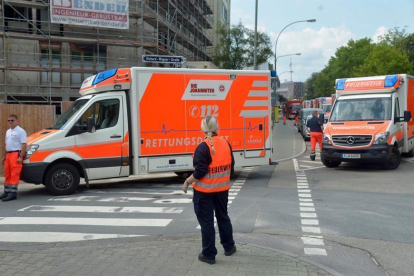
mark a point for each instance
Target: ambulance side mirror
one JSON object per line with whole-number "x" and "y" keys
{"x": 321, "y": 119}
{"x": 407, "y": 116}
{"x": 90, "y": 123}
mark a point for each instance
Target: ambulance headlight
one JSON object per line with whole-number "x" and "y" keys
{"x": 31, "y": 150}
{"x": 381, "y": 138}
{"x": 326, "y": 138}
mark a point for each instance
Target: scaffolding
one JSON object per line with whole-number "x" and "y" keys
{"x": 45, "y": 63}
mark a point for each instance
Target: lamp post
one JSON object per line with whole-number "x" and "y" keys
{"x": 296, "y": 54}
{"x": 309, "y": 20}
{"x": 255, "y": 40}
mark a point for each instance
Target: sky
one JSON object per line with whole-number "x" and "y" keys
{"x": 337, "y": 21}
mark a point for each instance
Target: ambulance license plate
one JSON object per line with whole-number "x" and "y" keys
{"x": 351, "y": 156}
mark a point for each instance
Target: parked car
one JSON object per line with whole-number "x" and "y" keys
{"x": 304, "y": 115}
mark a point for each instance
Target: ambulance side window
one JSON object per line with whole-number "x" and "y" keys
{"x": 105, "y": 114}
{"x": 397, "y": 108}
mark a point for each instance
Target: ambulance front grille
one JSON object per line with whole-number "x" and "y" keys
{"x": 352, "y": 140}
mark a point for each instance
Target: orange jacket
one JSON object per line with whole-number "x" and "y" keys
{"x": 218, "y": 177}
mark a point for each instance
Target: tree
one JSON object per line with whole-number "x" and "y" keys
{"x": 407, "y": 46}
{"x": 385, "y": 59}
{"x": 310, "y": 86}
{"x": 231, "y": 50}
{"x": 342, "y": 65}
{"x": 236, "y": 46}
{"x": 264, "y": 47}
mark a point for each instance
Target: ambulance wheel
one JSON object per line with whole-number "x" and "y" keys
{"x": 394, "y": 161}
{"x": 62, "y": 179}
{"x": 330, "y": 164}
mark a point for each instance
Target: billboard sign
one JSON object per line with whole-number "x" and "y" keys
{"x": 91, "y": 13}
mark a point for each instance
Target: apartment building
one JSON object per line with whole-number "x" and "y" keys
{"x": 44, "y": 62}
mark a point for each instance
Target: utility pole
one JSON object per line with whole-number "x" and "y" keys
{"x": 291, "y": 72}
{"x": 255, "y": 39}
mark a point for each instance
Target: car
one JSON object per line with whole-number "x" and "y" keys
{"x": 304, "y": 115}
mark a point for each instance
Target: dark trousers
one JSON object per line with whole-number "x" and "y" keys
{"x": 205, "y": 204}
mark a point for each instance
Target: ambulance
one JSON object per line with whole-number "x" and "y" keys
{"x": 138, "y": 121}
{"x": 306, "y": 104}
{"x": 370, "y": 121}
{"x": 325, "y": 103}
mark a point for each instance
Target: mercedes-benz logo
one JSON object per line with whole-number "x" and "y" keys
{"x": 350, "y": 140}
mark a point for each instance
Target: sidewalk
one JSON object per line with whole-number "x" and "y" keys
{"x": 143, "y": 256}
{"x": 287, "y": 141}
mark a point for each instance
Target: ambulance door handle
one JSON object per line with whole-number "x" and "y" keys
{"x": 114, "y": 136}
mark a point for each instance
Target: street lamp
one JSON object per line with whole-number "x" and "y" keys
{"x": 297, "y": 54}
{"x": 309, "y": 20}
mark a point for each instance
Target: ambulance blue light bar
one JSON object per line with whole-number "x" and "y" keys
{"x": 340, "y": 85}
{"x": 390, "y": 81}
{"x": 104, "y": 76}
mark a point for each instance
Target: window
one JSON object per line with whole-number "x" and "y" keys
{"x": 105, "y": 114}
{"x": 44, "y": 62}
{"x": 369, "y": 109}
{"x": 86, "y": 60}
{"x": 397, "y": 112}
{"x": 224, "y": 12}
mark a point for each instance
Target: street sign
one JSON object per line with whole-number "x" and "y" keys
{"x": 163, "y": 59}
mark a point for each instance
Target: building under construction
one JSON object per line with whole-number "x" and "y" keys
{"x": 42, "y": 62}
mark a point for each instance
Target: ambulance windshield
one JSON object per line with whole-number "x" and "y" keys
{"x": 362, "y": 109}
{"x": 327, "y": 107}
{"x": 72, "y": 110}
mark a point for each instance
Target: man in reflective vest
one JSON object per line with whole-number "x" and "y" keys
{"x": 213, "y": 164}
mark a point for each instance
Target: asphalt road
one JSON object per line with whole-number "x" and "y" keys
{"x": 363, "y": 214}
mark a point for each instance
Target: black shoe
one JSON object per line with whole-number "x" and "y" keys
{"x": 9, "y": 197}
{"x": 230, "y": 252}
{"x": 3, "y": 196}
{"x": 203, "y": 258}
{"x": 312, "y": 158}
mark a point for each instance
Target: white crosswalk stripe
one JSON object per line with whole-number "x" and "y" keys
{"x": 122, "y": 212}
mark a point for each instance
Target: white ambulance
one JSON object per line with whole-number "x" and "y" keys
{"x": 147, "y": 120}
{"x": 371, "y": 121}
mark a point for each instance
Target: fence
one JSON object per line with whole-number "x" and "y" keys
{"x": 32, "y": 119}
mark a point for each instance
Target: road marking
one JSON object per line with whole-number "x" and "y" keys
{"x": 315, "y": 251}
{"x": 310, "y": 222}
{"x": 173, "y": 201}
{"x": 98, "y": 198}
{"x": 313, "y": 240}
{"x": 44, "y": 237}
{"x": 310, "y": 161}
{"x": 118, "y": 191}
{"x": 311, "y": 229}
{"x": 307, "y": 210}
{"x": 84, "y": 221}
{"x": 308, "y": 215}
{"x": 102, "y": 209}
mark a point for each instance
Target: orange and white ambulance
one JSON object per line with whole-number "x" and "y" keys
{"x": 147, "y": 120}
{"x": 325, "y": 103}
{"x": 370, "y": 121}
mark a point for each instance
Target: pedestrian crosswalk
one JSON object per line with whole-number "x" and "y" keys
{"x": 134, "y": 211}
{"x": 305, "y": 164}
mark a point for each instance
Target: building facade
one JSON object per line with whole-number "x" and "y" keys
{"x": 46, "y": 63}
{"x": 291, "y": 90}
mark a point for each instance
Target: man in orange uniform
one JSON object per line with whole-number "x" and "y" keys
{"x": 213, "y": 165}
{"x": 316, "y": 131}
{"x": 15, "y": 152}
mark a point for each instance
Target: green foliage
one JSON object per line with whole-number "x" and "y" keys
{"x": 236, "y": 46}
{"x": 384, "y": 60}
{"x": 393, "y": 54}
